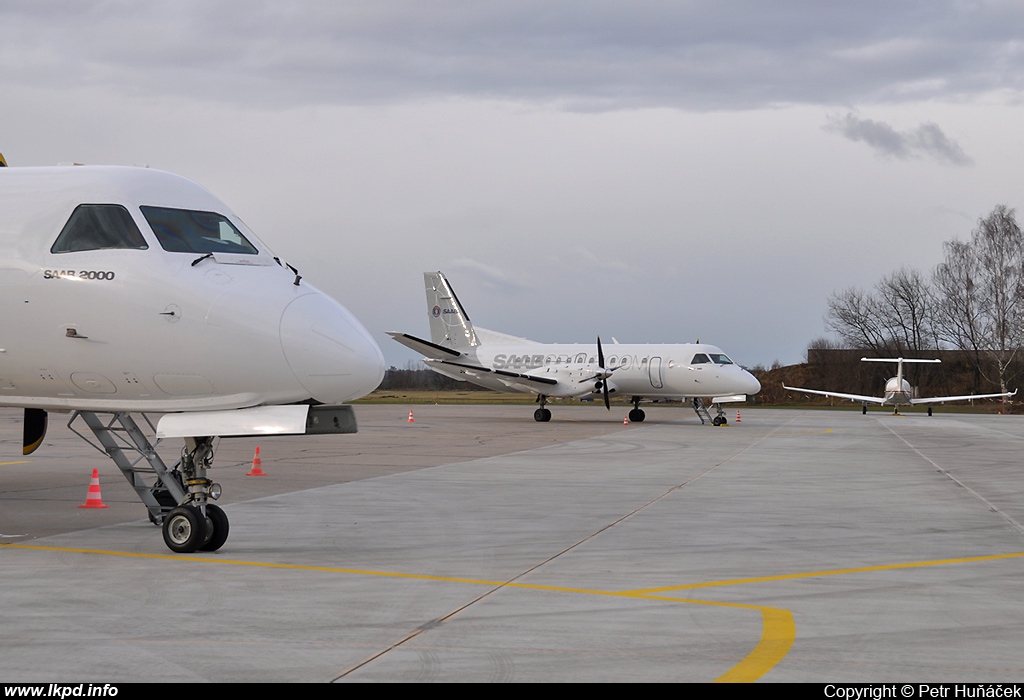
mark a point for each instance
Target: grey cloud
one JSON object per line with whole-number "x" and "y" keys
{"x": 926, "y": 141}
{"x": 581, "y": 54}
{"x": 492, "y": 276}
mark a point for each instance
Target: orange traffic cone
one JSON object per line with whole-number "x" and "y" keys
{"x": 93, "y": 499}
{"x": 738, "y": 416}
{"x": 257, "y": 465}
{"x": 625, "y": 420}
{"x": 410, "y": 417}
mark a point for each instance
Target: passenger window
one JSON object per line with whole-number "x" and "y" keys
{"x": 99, "y": 227}
{"x": 185, "y": 231}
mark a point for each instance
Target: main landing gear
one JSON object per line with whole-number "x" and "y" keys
{"x": 542, "y": 414}
{"x": 636, "y": 415}
{"x": 177, "y": 497}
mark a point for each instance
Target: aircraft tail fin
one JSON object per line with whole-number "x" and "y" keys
{"x": 450, "y": 326}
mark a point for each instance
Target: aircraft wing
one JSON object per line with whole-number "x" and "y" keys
{"x": 940, "y": 399}
{"x": 425, "y": 347}
{"x": 836, "y": 394}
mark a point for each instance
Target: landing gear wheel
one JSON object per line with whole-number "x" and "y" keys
{"x": 637, "y": 415}
{"x": 929, "y": 410}
{"x": 542, "y": 415}
{"x": 184, "y": 530}
{"x": 216, "y": 528}
{"x": 717, "y": 420}
{"x": 863, "y": 410}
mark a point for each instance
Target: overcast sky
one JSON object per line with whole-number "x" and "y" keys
{"x": 652, "y": 171}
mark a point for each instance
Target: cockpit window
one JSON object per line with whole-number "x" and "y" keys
{"x": 700, "y": 359}
{"x": 185, "y": 231}
{"x": 99, "y": 227}
{"x": 720, "y": 359}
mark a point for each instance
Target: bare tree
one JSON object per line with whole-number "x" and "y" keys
{"x": 980, "y": 287}
{"x": 897, "y": 320}
{"x": 906, "y": 305}
{"x": 853, "y": 316}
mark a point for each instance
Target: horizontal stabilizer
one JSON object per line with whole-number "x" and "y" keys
{"x": 895, "y": 359}
{"x": 499, "y": 372}
{"x": 424, "y": 347}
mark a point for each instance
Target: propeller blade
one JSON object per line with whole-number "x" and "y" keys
{"x": 604, "y": 383}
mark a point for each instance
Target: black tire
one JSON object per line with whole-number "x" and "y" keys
{"x": 929, "y": 410}
{"x": 538, "y": 415}
{"x": 184, "y": 530}
{"x": 716, "y": 421}
{"x": 863, "y": 410}
{"x": 637, "y": 415}
{"x": 216, "y": 528}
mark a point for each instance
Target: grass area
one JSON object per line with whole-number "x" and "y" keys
{"x": 393, "y": 396}
{"x": 469, "y": 397}
{"x": 445, "y": 397}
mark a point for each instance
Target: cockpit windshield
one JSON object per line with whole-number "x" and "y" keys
{"x": 185, "y": 231}
{"x": 99, "y": 227}
{"x": 718, "y": 358}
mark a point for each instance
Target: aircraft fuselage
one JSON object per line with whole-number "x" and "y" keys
{"x": 650, "y": 370}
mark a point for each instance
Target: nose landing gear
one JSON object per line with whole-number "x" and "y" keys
{"x": 178, "y": 498}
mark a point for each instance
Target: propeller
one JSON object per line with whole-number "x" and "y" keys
{"x": 604, "y": 380}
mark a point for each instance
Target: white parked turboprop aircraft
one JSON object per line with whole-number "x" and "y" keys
{"x": 129, "y": 290}
{"x": 898, "y": 391}
{"x": 503, "y": 362}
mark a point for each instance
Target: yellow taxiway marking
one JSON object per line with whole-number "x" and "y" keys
{"x": 778, "y": 629}
{"x": 20, "y": 461}
{"x": 777, "y": 636}
{"x": 829, "y": 572}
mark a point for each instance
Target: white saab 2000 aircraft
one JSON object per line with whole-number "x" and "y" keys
{"x": 503, "y": 362}
{"x": 898, "y": 391}
{"x": 129, "y": 290}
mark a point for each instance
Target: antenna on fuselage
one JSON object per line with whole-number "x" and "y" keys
{"x": 3, "y": 163}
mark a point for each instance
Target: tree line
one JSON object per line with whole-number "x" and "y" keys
{"x": 973, "y": 301}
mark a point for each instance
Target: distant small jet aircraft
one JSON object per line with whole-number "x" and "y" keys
{"x": 503, "y": 362}
{"x": 130, "y": 290}
{"x": 898, "y": 391}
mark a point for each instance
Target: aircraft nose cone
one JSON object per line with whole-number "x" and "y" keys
{"x": 752, "y": 385}
{"x": 329, "y": 351}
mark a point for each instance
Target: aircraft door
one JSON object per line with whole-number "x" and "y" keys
{"x": 654, "y": 370}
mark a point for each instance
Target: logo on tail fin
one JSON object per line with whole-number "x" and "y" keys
{"x": 450, "y": 326}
